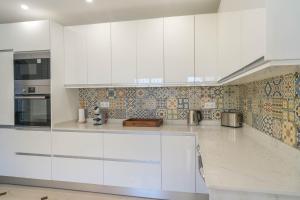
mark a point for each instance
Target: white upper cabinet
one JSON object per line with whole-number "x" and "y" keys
{"x": 99, "y": 54}
{"x": 253, "y": 26}
{"x": 283, "y": 30}
{"x": 75, "y": 55}
{"x": 31, "y": 36}
{"x": 7, "y": 88}
{"x": 206, "y": 49}
{"x": 25, "y": 36}
{"x": 179, "y": 49}
{"x": 150, "y": 45}
{"x": 124, "y": 52}
{"x": 229, "y": 42}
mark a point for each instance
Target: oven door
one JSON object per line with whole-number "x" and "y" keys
{"x": 32, "y": 110}
{"x": 32, "y": 69}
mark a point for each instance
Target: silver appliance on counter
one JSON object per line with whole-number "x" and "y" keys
{"x": 194, "y": 117}
{"x": 32, "y": 89}
{"x": 232, "y": 119}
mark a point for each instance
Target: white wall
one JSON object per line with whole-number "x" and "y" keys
{"x": 64, "y": 101}
{"x": 235, "y": 5}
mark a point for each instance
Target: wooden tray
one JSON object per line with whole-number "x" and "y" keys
{"x": 142, "y": 122}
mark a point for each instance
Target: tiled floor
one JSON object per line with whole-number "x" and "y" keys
{"x": 32, "y": 193}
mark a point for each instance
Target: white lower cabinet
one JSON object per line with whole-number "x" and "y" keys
{"x": 33, "y": 167}
{"x": 33, "y": 154}
{"x": 7, "y": 154}
{"x": 77, "y": 157}
{"x": 134, "y": 175}
{"x": 179, "y": 163}
{"x": 77, "y": 170}
{"x": 140, "y": 147}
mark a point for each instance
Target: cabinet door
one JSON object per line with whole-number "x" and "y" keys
{"x": 7, "y": 154}
{"x": 99, "y": 54}
{"x": 77, "y": 144}
{"x": 134, "y": 175}
{"x": 206, "y": 49}
{"x": 253, "y": 37}
{"x": 75, "y": 55}
{"x": 30, "y": 36}
{"x": 33, "y": 167}
{"x": 178, "y": 163}
{"x": 33, "y": 154}
{"x": 124, "y": 52}
{"x": 33, "y": 142}
{"x": 150, "y": 66}
{"x": 7, "y": 88}
{"x": 229, "y": 29}
{"x": 137, "y": 147}
{"x": 179, "y": 49}
{"x": 6, "y": 40}
{"x": 77, "y": 170}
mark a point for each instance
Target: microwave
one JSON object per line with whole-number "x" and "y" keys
{"x": 32, "y": 67}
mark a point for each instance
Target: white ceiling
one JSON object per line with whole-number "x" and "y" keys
{"x": 71, "y": 12}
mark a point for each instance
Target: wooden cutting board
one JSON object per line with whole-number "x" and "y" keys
{"x": 133, "y": 122}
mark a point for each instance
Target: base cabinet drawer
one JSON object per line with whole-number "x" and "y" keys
{"x": 33, "y": 167}
{"x": 77, "y": 170}
{"x": 132, "y": 147}
{"x": 134, "y": 175}
{"x": 77, "y": 144}
{"x": 27, "y": 141}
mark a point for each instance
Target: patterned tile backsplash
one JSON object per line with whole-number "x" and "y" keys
{"x": 273, "y": 107}
{"x": 166, "y": 102}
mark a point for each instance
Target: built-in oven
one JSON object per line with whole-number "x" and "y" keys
{"x": 32, "y": 110}
{"x": 32, "y": 89}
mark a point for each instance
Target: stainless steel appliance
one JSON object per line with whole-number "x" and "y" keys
{"x": 232, "y": 119}
{"x": 194, "y": 117}
{"x": 32, "y": 89}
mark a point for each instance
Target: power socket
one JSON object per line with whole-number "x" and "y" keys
{"x": 210, "y": 105}
{"x": 104, "y": 104}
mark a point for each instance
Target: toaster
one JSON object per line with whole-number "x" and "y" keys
{"x": 232, "y": 119}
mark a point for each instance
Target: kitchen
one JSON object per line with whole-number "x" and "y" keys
{"x": 186, "y": 100}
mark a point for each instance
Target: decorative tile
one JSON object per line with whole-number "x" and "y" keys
{"x": 172, "y": 114}
{"x": 150, "y": 103}
{"x": 207, "y": 114}
{"x": 182, "y": 114}
{"x": 183, "y": 103}
{"x": 172, "y": 103}
{"x": 216, "y": 114}
{"x": 111, "y": 93}
{"x": 162, "y": 113}
{"x": 288, "y": 87}
{"x": 297, "y": 110}
{"x": 298, "y": 137}
{"x": 277, "y": 128}
{"x": 297, "y": 85}
{"x": 267, "y": 106}
{"x": 267, "y": 125}
{"x": 277, "y": 106}
{"x": 268, "y": 89}
{"x": 289, "y": 133}
{"x": 276, "y": 87}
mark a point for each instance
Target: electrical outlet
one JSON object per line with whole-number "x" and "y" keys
{"x": 104, "y": 104}
{"x": 210, "y": 105}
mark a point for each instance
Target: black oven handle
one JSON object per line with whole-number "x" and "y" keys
{"x": 31, "y": 97}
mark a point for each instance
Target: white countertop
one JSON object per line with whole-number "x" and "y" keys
{"x": 245, "y": 159}
{"x": 116, "y": 126}
{"x": 241, "y": 159}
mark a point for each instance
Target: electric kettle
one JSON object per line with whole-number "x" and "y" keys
{"x": 194, "y": 117}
